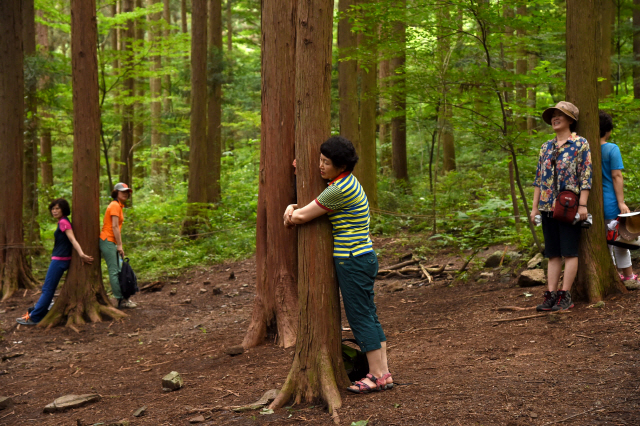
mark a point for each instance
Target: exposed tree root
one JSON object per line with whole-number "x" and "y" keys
{"x": 72, "y": 316}
{"x": 15, "y": 273}
{"x": 316, "y": 381}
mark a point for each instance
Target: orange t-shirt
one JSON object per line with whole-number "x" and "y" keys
{"x": 114, "y": 209}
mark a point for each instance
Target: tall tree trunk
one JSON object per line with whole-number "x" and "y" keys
{"x": 14, "y": 271}
{"x": 532, "y": 95}
{"x": 32, "y": 228}
{"x": 446, "y": 129}
{"x": 214, "y": 102}
{"x": 275, "y": 309}
{"x": 597, "y": 276}
{"x": 384, "y": 126}
{"x": 138, "y": 113}
{"x": 166, "y": 14}
{"x": 317, "y": 370}
{"x": 399, "y": 100}
{"x": 46, "y": 166}
{"x": 521, "y": 69}
{"x": 183, "y": 16}
{"x": 198, "y": 152}
{"x": 636, "y": 49}
{"x": 348, "y": 76}
{"x": 366, "y": 171}
{"x": 229, "y": 5}
{"x": 116, "y": 40}
{"x": 128, "y": 109}
{"x": 514, "y": 197}
{"x": 607, "y": 17}
{"x": 155, "y": 87}
{"x": 83, "y": 297}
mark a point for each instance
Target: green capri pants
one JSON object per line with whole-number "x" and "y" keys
{"x": 356, "y": 276}
{"x": 110, "y": 256}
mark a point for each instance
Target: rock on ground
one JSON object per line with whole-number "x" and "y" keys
{"x": 234, "y": 350}
{"x": 493, "y": 260}
{"x": 5, "y": 403}
{"x": 531, "y": 278}
{"x": 140, "y": 411}
{"x": 172, "y": 381}
{"x": 632, "y": 285}
{"x": 535, "y": 261}
{"x": 70, "y": 401}
{"x": 197, "y": 419}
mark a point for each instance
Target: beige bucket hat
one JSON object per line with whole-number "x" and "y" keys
{"x": 629, "y": 227}
{"x": 567, "y": 108}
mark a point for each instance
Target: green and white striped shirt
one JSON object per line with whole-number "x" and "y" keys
{"x": 349, "y": 214}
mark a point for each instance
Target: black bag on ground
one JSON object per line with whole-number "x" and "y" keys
{"x": 355, "y": 361}
{"x": 128, "y": 280}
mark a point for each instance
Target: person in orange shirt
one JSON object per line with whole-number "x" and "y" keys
{"x": 111, "y": 240}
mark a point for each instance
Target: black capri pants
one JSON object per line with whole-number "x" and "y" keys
{"x": 561, "y": 239}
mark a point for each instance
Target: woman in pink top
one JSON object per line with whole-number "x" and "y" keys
{"x": 63, "y": 246}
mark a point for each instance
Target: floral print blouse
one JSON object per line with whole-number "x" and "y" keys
{"x": 573, "y": 161}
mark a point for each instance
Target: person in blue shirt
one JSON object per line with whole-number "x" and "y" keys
{"x": 613, "y": 192}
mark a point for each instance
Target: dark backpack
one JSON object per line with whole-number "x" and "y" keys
{"x": 128, "y": 280}
{"x": 355, "y": 361}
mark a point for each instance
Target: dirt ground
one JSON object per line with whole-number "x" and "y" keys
{"x": 452, "y": 362}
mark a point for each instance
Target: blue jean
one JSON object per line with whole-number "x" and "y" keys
{"x": 54, "y": 274}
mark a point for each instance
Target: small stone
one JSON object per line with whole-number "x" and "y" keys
{"x": 486, "y": 274}
{"x": 531, "y": 278}
{"x": 232, "y": 276}
{"x": 533, "y": 415}
{"x": 173, "y": 291}
{"x": 197, "y": 419}
{"x": 6, "y": 403}
{"x": 215, "y": 291}
{"x": 493, "y": 260}
{"x": 535, "y": 261}
{"x": 140, "y": 411}
{"x": 203, "y": 290}
{"x": 234, "y": 350}
{"x": 172, "y": 381}
{"x": 187, "y": 301}
{"x": 70, "y": 401}
{"x": 632, "y": 285}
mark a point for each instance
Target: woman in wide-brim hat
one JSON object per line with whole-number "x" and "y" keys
{"x": 570, "y": 155}
{"x": 111, "y": 240}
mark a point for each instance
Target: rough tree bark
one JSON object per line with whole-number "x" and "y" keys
{"x": 607, "y": 17}
{"x": 183, "y": 16}
{"x": 399, "y": 99}
{"x": 275, "y": 309}
{"x": 597, "y": 276}
{"x": 83, "y": 297}
{"x": 317, "y": 370}
{"x": 532, "y": 95}
{"x": 14, "y": 271}
{"x": 636, "y": 49}
{"x": 366, "y": 171}
{"x": 348, "y": 76}
{"x": 128, "y": 90}
{"x": 166, "y": 14}
{"x": 46, "y": 166}
{"x": 30, "y": 177}
{"x": 198, "y": 173}
{"x": 214, "y": 102}
{"x": 138, "y": 112}
{"x": 155, "y": 89}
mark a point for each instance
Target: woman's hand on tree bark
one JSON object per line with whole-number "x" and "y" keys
{"x": 287, "y": 215}
{"x": 86, "y": 259}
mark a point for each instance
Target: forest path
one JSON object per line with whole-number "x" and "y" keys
{"x": 456, "y": 364}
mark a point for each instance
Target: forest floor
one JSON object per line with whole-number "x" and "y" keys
{"x": 452, "y": 362}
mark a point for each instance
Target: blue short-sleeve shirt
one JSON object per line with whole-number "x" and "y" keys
{"x": 611, "y": 160}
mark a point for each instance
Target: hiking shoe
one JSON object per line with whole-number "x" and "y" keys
{"x": 25, "y": 320}
{"x": 126, "y": 304}
{"x": 564, "y": 301}
{"x": 549, "y": 301}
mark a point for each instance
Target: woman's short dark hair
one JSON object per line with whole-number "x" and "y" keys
{"x": 573, "y": 126}
{"x": 114, "y": 195}
{"x": 606, "y": 123}
{"x": 63, "y": 204}
{"x": 340, "y": 151}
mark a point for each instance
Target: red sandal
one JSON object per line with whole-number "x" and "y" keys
{"x": 365, "y": 388}
{"x": 384, "y": 378}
